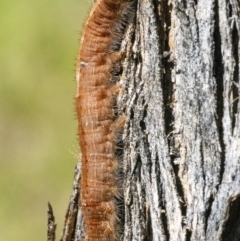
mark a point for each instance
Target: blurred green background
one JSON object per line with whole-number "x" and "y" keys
{"x": 38, "y": 129}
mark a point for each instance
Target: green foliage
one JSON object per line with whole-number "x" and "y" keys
{"x": 38, "y": 130}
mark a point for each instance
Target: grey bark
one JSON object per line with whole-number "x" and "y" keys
{"x": 181, "y": 140}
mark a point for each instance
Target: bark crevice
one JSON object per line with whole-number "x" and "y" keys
{"x": 218, "y": 68}
{"x": 208, "y": 210}
{"x": 231, "y": 230}
{"x": 188, "y": 235}
{"x": 235, "y": 85}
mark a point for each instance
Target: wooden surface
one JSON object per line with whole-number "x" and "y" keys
{"x": 181, "y": 140}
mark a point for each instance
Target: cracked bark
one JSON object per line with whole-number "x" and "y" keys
{"x": 181, "y": 141}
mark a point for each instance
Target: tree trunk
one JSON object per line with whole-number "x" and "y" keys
{"x": 181, "y": 139}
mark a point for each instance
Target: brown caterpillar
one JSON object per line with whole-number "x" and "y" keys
{"x": 97, "y": 123}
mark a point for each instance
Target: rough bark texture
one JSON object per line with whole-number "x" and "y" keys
{"x": 51, "y": 224}
{"x": 181, "y": 141}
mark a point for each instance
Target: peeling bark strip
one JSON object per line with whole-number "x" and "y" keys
{"x": 73, "y": 225}
{"x": 98, "y": 123}
{"x": 51, "y": 224}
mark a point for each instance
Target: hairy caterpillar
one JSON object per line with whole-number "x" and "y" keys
{"x": 97, "y": 123}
